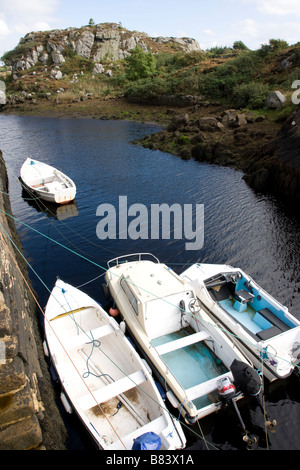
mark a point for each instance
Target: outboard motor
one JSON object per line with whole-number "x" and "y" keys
{"x": 227, "y": 393}
{"x": 226, "y": 389}
{"x": 250, "y": 384}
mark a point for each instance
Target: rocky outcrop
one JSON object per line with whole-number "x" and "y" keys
{"x": 102, "y": 42}
{"x": 29, "y": 418}
{"x": 276, "y": 167}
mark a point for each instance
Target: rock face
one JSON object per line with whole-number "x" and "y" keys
{"x": 107, "y": 41}
{"x": 276, "y": 167}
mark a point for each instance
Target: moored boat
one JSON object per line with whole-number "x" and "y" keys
{"x": 267, "y": 332}
{"x": 47, "y": 182}
{"x": 103, "y": 378}
{"x": 188, "y": 353}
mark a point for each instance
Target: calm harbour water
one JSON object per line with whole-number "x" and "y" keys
{"x": 241, "y": 228}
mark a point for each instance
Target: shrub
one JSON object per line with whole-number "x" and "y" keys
{"x": 140, "y": 64}
{"x": 239, "y": 45}
{"x": 251, "y": 94}
{"x": 147, "y": 89}
{"x": 17, "y": 52}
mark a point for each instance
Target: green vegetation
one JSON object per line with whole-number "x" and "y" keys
{"x": 235, "y": 76}
{"x": 139, "y": 64}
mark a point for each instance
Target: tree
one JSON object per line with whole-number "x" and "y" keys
{"x": 91, "y": 22}
{"x": 140, "y": 64}
{"x": 239, "y": 45}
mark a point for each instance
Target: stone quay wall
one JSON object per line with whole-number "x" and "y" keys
{"x": 29, "y": 417}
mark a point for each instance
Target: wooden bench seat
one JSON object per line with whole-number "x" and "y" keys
{"x": 181, "y": 342}
{"x": 88, "y": 336}
{"x": 111, "y": 390}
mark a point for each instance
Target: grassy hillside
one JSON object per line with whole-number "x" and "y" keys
{"x": 235, "y": 77}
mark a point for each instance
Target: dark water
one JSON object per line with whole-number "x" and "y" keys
{"x": 241, "y": 228}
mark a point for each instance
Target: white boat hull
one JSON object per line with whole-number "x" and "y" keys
{"x": 47, "y": 182}
{"x": 263, "y": 328}
{"x": 103, "y": 378}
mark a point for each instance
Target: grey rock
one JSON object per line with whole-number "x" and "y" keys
{"x": 98, "y": 68}
{"x": 275, "y": 99}
{"x": 85, "y": 44}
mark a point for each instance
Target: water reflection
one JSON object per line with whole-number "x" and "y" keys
{"x": 59, "y": 212}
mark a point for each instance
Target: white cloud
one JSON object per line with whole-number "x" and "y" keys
{"x": 209, "y": 32}
{"x": 275, "y": 7}
{"x": 4, "y": 29}
{"x": 31, "y": 10}
{"x": 19, "y": 17}
{"x": 279, "y": 7}
{"x": 247, "y": 28}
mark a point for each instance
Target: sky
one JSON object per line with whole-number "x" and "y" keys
{"x": 211, "y": 22}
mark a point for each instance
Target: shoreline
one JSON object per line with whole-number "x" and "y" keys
{"x": 212, "y": 133}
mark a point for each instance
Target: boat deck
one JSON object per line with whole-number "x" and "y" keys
{"x": 196, "y": 357}
{"x": 246, "y": 317}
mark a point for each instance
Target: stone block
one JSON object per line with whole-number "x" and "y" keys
{"x": 16, "y": 407}
{"x": 12, "y": 376}
{"x": 24, "y": 435}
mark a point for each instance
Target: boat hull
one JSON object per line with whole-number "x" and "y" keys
{"x": 262, "y": 327}
{"x": 103, "y": 379}
{"x": 47, "y": 183}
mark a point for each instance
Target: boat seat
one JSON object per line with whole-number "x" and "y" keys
{"x": 268, "y": 333}
{"x": 157, "y": 425}
{"x": 88, "y": 336}
{"x": 182, "y": 342}
{"x": 266, "y": 313}
{"x": 207, "y": 387}
{"x": 114, "y": 389}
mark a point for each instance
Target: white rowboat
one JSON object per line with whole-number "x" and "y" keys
{"x": 47, "y": 182}
{"x": 103, "y": 378}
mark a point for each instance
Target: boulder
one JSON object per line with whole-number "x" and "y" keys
{"x": 179, "y": 121}
{"x": 210, "y": 124}
{"x": 2, "y": 98}
{"x": 98, "y": 68}
{"x": 57, "y": 74}
{"x": 57, "y": 58}
{"x": 228, "y": 117}
{"x": 275, "y": 99}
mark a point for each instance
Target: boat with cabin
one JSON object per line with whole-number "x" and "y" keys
{"x": 265, "y": 329}
{"x": 191, "y": 357}
{"x": 103, "y": 379}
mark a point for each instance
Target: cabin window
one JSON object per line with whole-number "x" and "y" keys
{"x": 130, "y": 295}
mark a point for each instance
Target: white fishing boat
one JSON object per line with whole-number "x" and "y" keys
{"x": 189, "y": 355}
{"x": 268, "y": 333}
{"x": 103, "y": 378}
{"x": 47, "y": 182}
